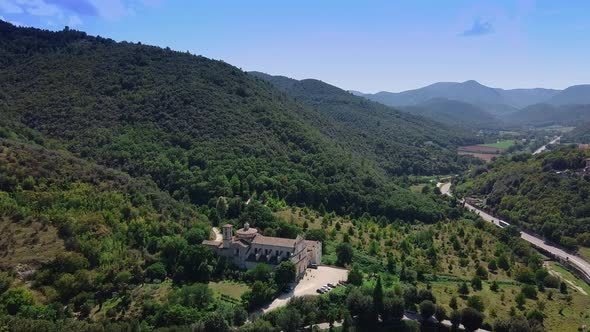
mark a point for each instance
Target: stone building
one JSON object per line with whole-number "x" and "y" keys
{"x": 247, "y": 248}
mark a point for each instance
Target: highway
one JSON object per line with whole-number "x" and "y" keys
{"x": 581, "y": 264}
{"x": 544, "y": 147}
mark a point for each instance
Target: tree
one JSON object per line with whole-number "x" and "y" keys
{"x": 563, "y": 287}
{"x": 471, "y": 319}
{"x": 289, "y": 320}
{"x": 355, "y": 276}
{"x": 481, "y": 272}
{"x": 463, "y": 288}
{"x": 258, "y": 295}
{"x": 197, "y": 296}
{"x": 171, "y": 248}
{"x": 221, "y": 207}
{"x": 378, "y": 297}
{"x": 492, "y": 266}
{"x": 503, "y": 262}
{"x": 427, "y": 309}
{"x": 393, "y": 308}
{"x": 494, "y": 286}
{"x": 529, "y": 291}
{"x": 358, "y": 303}
{"x": 5, "y": 281}
{"x": 258, "y": 325}
{"x": 476, "y": 283}
{"x": 285, "y": 274}
{"x": 455, "y": 319}
{"x": 440, "y": 313}
{"x": 391, "y": 263}
{"x": 475, "y": 302}
{"x": 156, "y": 271}
{"x": 214, "y": 322}
{"x": 240, "y": 315}
{"x": 453, "y": 303}
{"x": 16, "y": 298}
{"x": 551, "y": 281}
{"x": 260, "y": 272}
{"x": 344, "y": 254}
{"x": 347, "y": 323}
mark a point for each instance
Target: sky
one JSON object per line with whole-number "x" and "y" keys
{"x": 364, "y": 45}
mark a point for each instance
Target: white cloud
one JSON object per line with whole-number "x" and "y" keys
{"x": 111, "y": 9}
{"x": 10, "y": 7}
{"x": 74, "y": 20}
{"x": 40, "y": 8}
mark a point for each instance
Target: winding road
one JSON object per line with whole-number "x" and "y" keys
{"x": 581, "y": 264}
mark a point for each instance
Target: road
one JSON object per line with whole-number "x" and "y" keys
{"x": 584, "y": 266}
{"x": 544, "y": 147}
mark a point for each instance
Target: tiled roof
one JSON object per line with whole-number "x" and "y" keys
{"x": 212, "y": 243}
{"x": 274, "y": 241}
{"x": 241, "y": 244}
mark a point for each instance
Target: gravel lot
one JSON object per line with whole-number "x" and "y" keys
{"x": 313, "y": 279}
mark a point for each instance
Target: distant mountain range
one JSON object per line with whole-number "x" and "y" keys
{"x": 375, "y": 131}
{"x": 450, "y": 102}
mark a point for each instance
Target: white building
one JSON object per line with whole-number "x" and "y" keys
{"x": 248, "y": 248}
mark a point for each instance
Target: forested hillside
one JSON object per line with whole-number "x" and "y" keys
{"x": 541, "y": 115}
{"x": 580, "y": 134}
{"x": 400, "y": 143}
{"x": 542, "y": 193}
{"x": 455, "y": 113}
{"x": 198, "y": 128}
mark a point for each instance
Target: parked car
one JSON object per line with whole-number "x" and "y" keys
{"x": 331, "y": 285}
{"x": 320, "y": 291}
{"x": 313, "y": 266}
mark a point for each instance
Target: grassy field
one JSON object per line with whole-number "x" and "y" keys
{"x": 563, "y": 312}
{"x": 32, "y": 243}
{"x": 567, "y": 275}
{"x": 230, "y": 289}
{"x": 584, "y": 253}
{"x": 499, "y": 145}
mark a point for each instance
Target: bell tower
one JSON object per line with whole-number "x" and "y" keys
{"x": 227, "y": 235}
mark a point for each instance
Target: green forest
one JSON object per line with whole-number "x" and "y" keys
{"x": 543, "y": 193}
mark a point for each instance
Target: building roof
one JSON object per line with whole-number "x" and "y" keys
{"x": 227, "y": 225}
{"x": 249, "y": 231}
{"x": 274, "y": 241}
{"x": 241, "y": 243}
{"x": 212, "y": 243}
{"x": 312, "y": 244}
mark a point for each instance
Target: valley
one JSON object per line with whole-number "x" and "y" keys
{"x": 148, "y": 189}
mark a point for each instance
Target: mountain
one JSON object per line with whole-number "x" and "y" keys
{"x": 199, "y": 128}
{"x": 486, "y": 98}
{"x": 508, "y": 105}
{"x": 455, "y": 113}
{"x": 521, "y": 98}
{"x": 378, "y": 132}
{"x": 541, "y": 115}
{"x": 577, "y": 94}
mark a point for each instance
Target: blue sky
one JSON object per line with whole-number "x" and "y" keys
{"x": 365, "y": 45}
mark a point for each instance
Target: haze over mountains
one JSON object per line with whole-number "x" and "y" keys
{"x": 491, "y": 107}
